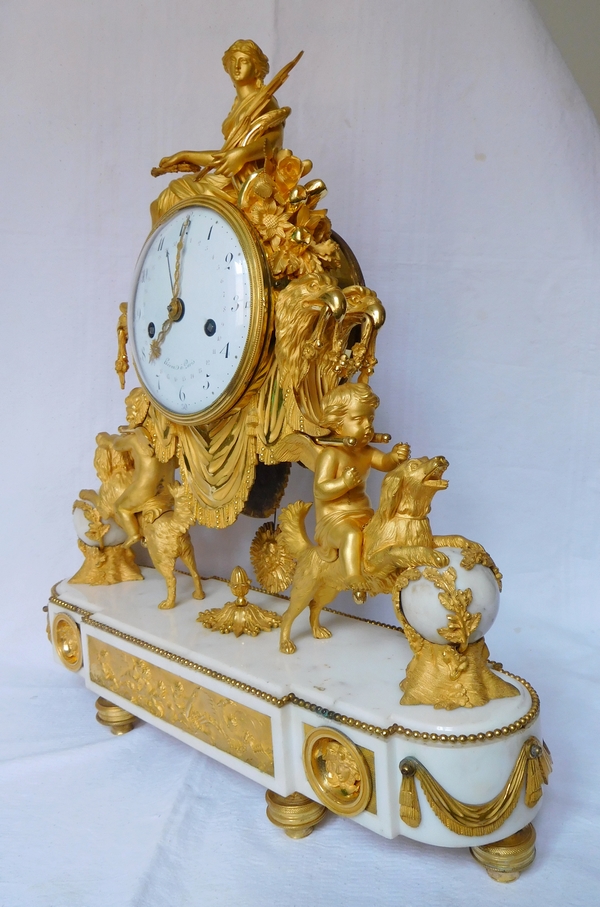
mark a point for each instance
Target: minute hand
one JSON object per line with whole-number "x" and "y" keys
{"x": 175, "y": 307}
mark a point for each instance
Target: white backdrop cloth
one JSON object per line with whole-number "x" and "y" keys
{"x": 463, "y": 169}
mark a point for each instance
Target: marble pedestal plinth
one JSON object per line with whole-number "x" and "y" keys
{"x": 325, "y": 722}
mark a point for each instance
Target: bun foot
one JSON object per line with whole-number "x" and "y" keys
{"x": 505, "y": 860}
{"x": 296, "y": 814}
{"x": 114, "y": 717}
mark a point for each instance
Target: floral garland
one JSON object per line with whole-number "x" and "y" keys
{"x": 295, "y": 234}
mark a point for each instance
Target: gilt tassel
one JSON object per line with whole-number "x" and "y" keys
{"x": 534, "y": 777}
{"x": 410, "y": 811}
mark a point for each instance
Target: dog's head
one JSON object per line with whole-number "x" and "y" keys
{"x": 409, "y": 488}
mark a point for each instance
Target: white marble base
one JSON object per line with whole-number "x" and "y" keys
{"x": 355, "y": 674}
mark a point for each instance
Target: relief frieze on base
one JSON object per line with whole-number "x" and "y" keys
{"x": 215, "y": 719}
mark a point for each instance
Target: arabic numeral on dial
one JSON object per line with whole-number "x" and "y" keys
{"x": 182, "y": 394}
{"x": 161, "y": 244}
{"x": 226, "y": 351}
{"x": 228, "y": 260}
{"x": 210, "y": 231}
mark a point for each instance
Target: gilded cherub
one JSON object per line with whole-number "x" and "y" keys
{"x": 342, "y": 506}
{"x": 150, "y": 476}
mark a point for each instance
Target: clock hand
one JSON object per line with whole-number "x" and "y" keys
{"x": 175, "y": 308}
{"x": 170, "y": 275}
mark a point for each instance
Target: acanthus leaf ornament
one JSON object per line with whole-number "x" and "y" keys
{"x": 239, "y": 616}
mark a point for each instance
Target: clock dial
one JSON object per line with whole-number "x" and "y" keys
{"x": 199, "y": 311}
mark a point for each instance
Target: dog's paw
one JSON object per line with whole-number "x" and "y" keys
{"x": 287, "y": 647}
{"x": 439, "y": 559}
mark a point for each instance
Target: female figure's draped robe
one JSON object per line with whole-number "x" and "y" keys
{"x": 215, "y": 184}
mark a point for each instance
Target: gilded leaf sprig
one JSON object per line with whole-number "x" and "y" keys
{"x": 461, "y": 623}
{"x": 97, "y": 529}
{"x": 475, "y": 554}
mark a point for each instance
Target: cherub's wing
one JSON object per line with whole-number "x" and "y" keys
{"x": 296, "y": 448}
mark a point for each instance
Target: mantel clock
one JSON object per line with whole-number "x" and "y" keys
{"x": 253, "y": 337}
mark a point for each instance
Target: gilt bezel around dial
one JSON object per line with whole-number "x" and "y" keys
{"x": 189, "y": 310}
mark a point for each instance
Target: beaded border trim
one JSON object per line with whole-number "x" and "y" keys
{"x": 291, "y": 698}
{"x": 55, "y": 600}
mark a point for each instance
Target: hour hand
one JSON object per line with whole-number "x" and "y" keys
{"x": 175, "y": 311}
{"x": 175, "y": 308}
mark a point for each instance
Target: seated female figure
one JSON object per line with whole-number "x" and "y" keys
{"x": 247, "y": 128}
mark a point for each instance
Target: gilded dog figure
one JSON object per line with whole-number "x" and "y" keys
{"x": 397, "y": 537}
{"x": 167, "y": 538}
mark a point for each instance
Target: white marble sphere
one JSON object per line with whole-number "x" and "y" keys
{"x": 424, "y": 611}
{"x": 114, "y": 536}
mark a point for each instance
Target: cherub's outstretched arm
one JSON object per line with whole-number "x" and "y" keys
{"x": 385, "y": 462}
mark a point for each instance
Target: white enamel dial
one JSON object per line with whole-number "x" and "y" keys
{"x": 192, "y": 358}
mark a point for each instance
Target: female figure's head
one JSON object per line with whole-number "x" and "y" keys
{"x": 245, "y": 62}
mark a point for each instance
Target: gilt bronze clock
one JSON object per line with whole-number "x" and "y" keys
{"x": 253, "y": 337}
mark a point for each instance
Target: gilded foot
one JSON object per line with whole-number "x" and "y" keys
{"x": 113, "y": 716}
{"x": 505, "y": 860}
{"x": 199, "y": 594}
{"x": 318, "y": 631}
{"x": 296, "y": 814}
{"x": 167, "y": 604}
{"x": 287, "y": 647}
